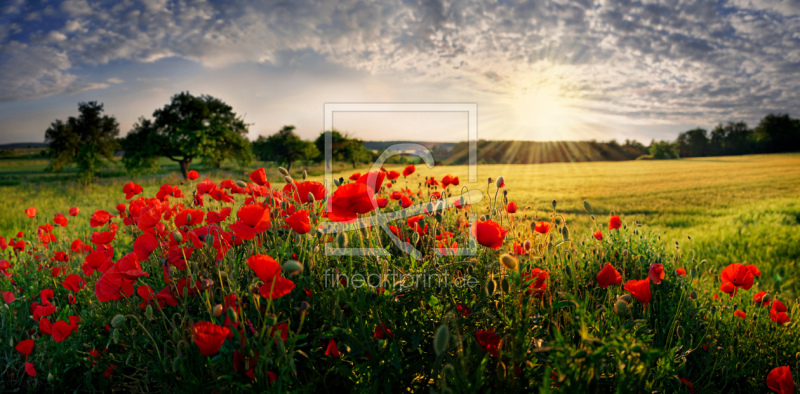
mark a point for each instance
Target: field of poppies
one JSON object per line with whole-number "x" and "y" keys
{"x": 401, "y": 279}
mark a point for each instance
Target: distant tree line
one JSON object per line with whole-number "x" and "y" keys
{"x": 533, "y": 152}
{"x": 188, "y": 129}
{"x": 775, "y": 133}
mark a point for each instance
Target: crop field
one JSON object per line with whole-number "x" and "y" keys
{"x": 638, "y": 276}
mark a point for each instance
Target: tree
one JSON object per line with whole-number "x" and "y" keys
{"x": 663, "y": 150}
{"x": 343, "y": 148}
{"x": 734, "y": 138}
{"x": 778, "y": 133}
{"x": 284, "y": 147}
{"x": 187, "y": 128}
{"x": 693, "y": 143}
{"x": 85, "y": 140}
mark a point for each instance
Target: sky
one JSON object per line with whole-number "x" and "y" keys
{"x": 538, "y": 70}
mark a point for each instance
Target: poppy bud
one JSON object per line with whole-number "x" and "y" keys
{"x": 483, "y": 218}
{"x": 441, "y": 340}
{"x": 283, "y": 171}
{"x": 626, "y": 298}
{"x": 241, "y": 184}
{"x": 621, "y": 307}
{"x": 500, "y": 182}
{"x": 148, "y": 312}
{"x": 568, "y": 270}
{"x": 177, "y": 236}
{"x": 528, "y": 245}
{"x": 490, "y": 180}
{"x": 509, "y": 262}
{"x": 765, "y": 299}
{"x": 554, "y": 204}
{"x": 693, "y": 295}
{"x": 305, "y": 175}
{"x": 117, "y": 321}
{"x": 505, "y": 285}
{"x": 491, "y": 286}
{"x": 311, "y": 198}
{"x": 50, "y": 378}
{"x": 336, "y": 182}
{"x": 304, "y": 306}
{"x": 342, "y": 241}
{"x": 587, "y": 207}
{"x": 292, "y": 267}
{"x": 217, "y": 310}
{"x": 288, "y": 179}
{"x": 115, "y": 335}
{"x": 693, "y": 273}
{"x": 210, "y": 241}
{"x": 232, "y": 315}
{"x": 565, "y": 233}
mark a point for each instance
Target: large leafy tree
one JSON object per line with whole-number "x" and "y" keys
{"x": 87, "y": 140}
{"x": 343, "y": 148}
{"x": 693, "y": 143}
{"x": 285, "y": 147}
{"x": 779, "y": 133}
{"x": 186, "y": 129}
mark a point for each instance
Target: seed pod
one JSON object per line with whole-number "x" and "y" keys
{"x": 509, "y": 262}
{"x": 505, "y": 285}
{"x": 587, "y": 207}
{"x": 441, "y": 340}
{"x": 241, "y": 184}
{"x": 283, "y": 171}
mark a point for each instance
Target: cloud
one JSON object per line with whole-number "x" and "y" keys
{"x": 682, "y": 59}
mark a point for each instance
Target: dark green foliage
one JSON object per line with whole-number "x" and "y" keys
{"x": 343, "y": 148}
{"x": 284, "y": 147}
{"x": 85, "y": 140}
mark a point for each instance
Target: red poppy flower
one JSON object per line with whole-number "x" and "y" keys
{"x": 31, "y": 212}
{"x": 614, "y": 223}
{"x": 598, "y": 235}
{"x": 300, "y": 191}
{"x": 518, "y": 249}
{"x": 392, "y": 175}
{"x": 447, "y": 180}
{"x": 511, "y": 207}
{"x": 489, "y": 342}
{"x": 350, "y": 200}
{"x": 413, "y": 222}
{"x": 189, "y": 217}
{"x": 355, "y": 176}
{"x": 61, "y": 330}
{"x": 61, "y": 220}
{"x": 30, "y": 370}
{"x": 734, "y": 276}
{"x": 542, "y": 227}
{"x": 759, "y": 298}
{"x": 209, "y": 337}
{"x": 25, "y": 347}
{"x": 688, "y": 385}
{"x": 8, "y": 297}
{"x": 608, "y": 276}
{"x": 253, "y": 219}
{"x": 740, "y": 314}
{"x": 409, "y": 170}
{"x": 192, "y": 175}
{"x": 754, "y": 270}
{"x": 639, "y": 289}
{"x": 489, "y": 234}
{"x": 73, "y": 211}
{"x": 131, "y": 189}
{"x": 218, "y": 217}
{"x": 381, "y": 332}
{"x": 259, "y": 177}
{"x": 539, "y": 281}
{"x": 45, "y": 326}
{"x": 680, "y": 271}
{"x": 778, "y": 313}
{"x": 267, "y": 269}
{"x": 463, "y": 309}
{"x": 373, "y": 180}
{"x": 299, "y": 221}
{"x": 656, "y": 273}
{"x": 149, "y": 217}
{"x": 74, "y": 283}
{"x": 780, "y": 380}
{"x": 332, "y": 350}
